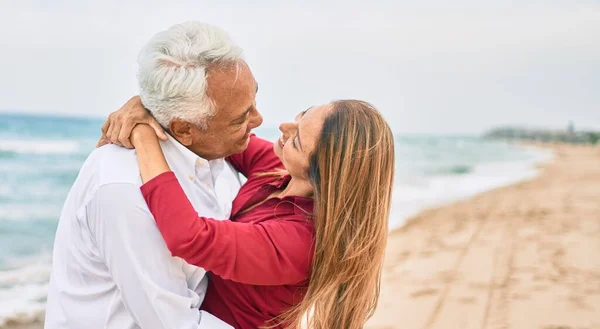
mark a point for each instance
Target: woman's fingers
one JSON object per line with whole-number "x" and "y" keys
{"x": 119, "y": 126}
{"x": 125, "y": 134}
{"x": 104, "y": 132}
{"x": 109, "y": 129}
{"x": 103, "y": 141}
{"x": 160, "y": 132}
{"x": 104, "y": 128}
{"x": 113, "y": 132}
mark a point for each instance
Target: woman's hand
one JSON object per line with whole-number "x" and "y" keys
{"x": 151, "y": 159}
{"x": 143, "y": 134}
{"x": 119, "y": 125}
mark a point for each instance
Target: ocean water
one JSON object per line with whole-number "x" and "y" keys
{"x": 41, "y": 155}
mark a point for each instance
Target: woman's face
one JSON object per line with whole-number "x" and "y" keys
{"x": 299, "y": 138}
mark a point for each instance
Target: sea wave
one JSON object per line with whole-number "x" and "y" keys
{"x": 18, "y": 211}
{"x": 451, "y": 170}
{"x": 10, "y": 147}
{"x": 7, "y": 154}
{"x": 460, "y": 169}
{"x": 416, "y": 194}
{"x": 23, "y": 293}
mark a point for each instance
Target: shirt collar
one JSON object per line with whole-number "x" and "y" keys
{"x": 180, "y": 158}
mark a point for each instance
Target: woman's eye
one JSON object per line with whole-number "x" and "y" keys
{"x": 294, "y": 142}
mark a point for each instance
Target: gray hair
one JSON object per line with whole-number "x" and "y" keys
{"x": 172, "y": 71}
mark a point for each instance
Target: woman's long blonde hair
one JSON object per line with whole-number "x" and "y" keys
{"x": 351, "y": 171}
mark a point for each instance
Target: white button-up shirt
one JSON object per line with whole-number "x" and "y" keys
{"x": 111, "y": 268}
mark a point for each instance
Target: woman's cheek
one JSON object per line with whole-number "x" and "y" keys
{"x": 285, "y": 151}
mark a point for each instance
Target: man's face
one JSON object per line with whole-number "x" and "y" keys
{"x": 233, "y": 90}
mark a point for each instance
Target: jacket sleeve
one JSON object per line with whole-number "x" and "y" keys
{"x": 274, "y": 252}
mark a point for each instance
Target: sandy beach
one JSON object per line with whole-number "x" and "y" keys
{"x": 526, "y": 256}
{"x": 522, "y": 256}
{"x": 36, "y": 325}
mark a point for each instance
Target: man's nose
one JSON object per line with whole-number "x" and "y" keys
{"x": 256, "y": 120}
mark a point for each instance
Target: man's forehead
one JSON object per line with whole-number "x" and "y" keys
{"x": 231, "y": 79}
{"x": 231, "y": 86}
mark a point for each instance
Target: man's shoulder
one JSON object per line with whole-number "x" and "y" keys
{"x": 111, "y": 164}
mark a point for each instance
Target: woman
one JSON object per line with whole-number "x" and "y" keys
{"x": 307, "y": 231}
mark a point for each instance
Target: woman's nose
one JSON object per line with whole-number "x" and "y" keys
{"x": 287, "y": 127}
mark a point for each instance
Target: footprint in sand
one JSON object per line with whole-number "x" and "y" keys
{"x": 520, "y": 296}
{"x": 578, "y": 301}
{"x": 423, "y": 293}
{"x": 403, "y": 256}
{"x": 467, "y": 300}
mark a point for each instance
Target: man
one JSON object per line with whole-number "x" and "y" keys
{"x": 111, "y": 267}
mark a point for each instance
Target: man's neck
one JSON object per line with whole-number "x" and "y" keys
{"x": 203, "y": 155}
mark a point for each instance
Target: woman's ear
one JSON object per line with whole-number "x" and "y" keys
{"x": 181, "y": 131}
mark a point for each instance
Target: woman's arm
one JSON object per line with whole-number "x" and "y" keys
{"x": 269, "y": 253}
{"x": 151, "y": 159}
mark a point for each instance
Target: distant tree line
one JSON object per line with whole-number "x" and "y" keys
{"x": 567, "y": 136}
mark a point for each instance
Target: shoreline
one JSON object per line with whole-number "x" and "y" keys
{"x": 444, "y": 189}
{"x": 517, "y": 256}
{"x": 536, "y": 166}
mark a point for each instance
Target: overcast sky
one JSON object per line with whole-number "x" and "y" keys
{"x": 430, "y": 66}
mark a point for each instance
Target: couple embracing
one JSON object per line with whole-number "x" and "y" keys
{"x": 158, "y": 230}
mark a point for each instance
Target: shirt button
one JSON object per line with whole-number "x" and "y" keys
{"x": 207, "y": 185}
{"x": 191, "y": 177}
{"x": 199, "y": 162}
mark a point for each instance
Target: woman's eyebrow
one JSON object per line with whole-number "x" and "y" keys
{"x": 298, "y": 134}
{"x": 304, "y": 112}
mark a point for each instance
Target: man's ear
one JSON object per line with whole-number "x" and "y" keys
{"x": 181, "y": 131}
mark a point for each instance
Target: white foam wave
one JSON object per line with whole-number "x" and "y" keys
{"x": 39, "y": 146}
{"x": 39, "y": 210}
{"x": 23, "y": 293}
{"x": 415, "y": 195}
